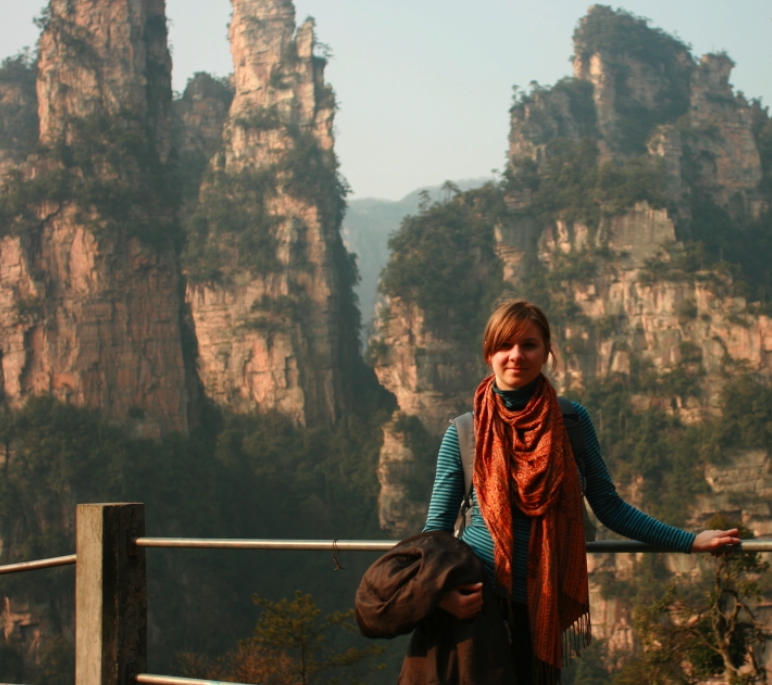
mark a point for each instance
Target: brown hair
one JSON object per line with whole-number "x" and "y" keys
{"x": 509, "y": 320}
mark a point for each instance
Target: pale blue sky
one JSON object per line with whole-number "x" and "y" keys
{"x": 425, "y": 85}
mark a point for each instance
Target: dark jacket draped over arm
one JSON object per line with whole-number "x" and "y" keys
{"x": 401, "y": 593}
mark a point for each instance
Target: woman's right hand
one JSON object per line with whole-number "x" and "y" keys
{"x": 463, "y": 601}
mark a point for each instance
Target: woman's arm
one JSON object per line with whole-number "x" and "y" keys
{"x": 624, "y": 519}
{"x": 448, "y": 488}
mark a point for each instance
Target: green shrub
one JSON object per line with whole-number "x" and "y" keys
{"x": 444, "y": 261}
{"x": 19, "y": 117}
{"x": 111, "y": 172}
{"x": 617, "y": 35}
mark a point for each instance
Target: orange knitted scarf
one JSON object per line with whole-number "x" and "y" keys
{"x": 523, "y": 459}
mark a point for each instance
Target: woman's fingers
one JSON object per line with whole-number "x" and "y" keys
{"x": 464, "y": 601}
{"x": 712, "y": 540}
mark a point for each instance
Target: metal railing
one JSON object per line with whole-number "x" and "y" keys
{"x": 111, "y": 585}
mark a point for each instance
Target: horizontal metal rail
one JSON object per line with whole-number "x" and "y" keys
{"x": 321, "y": 545}
{"x": 40, "y": 563}
{"x": 174, "y": 680}
{"x": 599, "y": 547}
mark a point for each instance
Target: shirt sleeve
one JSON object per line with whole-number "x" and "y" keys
{"x": 448, "y": 488}
{"x": 612, "y": 511}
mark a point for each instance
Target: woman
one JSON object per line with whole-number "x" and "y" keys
{"x": 527, "y": 518}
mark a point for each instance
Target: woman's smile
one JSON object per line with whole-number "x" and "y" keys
{"x": 519, "y": 360}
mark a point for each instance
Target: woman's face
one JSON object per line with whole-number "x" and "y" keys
{"x": 519, "y": 360}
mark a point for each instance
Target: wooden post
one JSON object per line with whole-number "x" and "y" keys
{"x": 110, "y": 595}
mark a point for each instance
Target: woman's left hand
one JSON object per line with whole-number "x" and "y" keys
{"x": 713, "y": 540}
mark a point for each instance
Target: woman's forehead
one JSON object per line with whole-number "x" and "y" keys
{"x": 527, "y": 329}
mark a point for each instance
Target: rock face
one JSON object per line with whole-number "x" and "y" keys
{"x": 200, "y": 116}
{"x": 91, "y": 298}
{"x": 728, "y": 164}
{"x": 269, "y": 281}
{"x": 625, "y": 289}
{"x": 104, "y": 59}
{"x": 18, "y": 111}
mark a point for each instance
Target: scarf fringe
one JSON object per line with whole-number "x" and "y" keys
{"x": 575, "y": 639}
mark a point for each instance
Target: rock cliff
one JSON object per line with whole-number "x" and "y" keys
{"x": 18, "y": 110}
{"x": 633, "y": 200}
{"x": 89, "y": 284}
{"x": 269, "y": 281}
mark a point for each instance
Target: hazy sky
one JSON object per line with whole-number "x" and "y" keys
{"x": 424, "y": 85}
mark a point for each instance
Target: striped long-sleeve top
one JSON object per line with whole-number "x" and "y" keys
{"x": 612, "y": 511}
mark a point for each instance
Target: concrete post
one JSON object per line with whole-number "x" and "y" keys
{"x": 110, "y": 595}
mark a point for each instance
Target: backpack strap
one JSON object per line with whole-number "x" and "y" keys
{"x": 465, "y": 428}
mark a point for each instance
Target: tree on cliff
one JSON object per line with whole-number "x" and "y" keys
{"x": 289, "y": 647}
{"x": 703, "y": 629}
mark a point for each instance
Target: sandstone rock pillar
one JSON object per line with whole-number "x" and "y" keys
{"x": 269, "y": 281}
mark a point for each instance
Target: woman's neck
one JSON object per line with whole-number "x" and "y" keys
{"x": 516, "y": 399}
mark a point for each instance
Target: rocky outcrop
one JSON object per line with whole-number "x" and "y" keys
{"x": 642, "y": 305}
{"x": 104, "y": 59}
{"x": 627, "y": 293}
{"x": 199, "y": 118}
{"x": 18, "y": 110}
{"x": 89, "y": 285}
{"x": 269, "y": 281}
{"x": 720, "y": 140}
{"x": 639, "y": 77}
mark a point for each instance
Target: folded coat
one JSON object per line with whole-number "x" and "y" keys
{"x": 401, "y": 593}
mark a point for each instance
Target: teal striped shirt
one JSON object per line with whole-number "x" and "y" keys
{"x": 612, "y": 511}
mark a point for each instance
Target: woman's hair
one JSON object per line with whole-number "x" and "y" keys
{"x": 509, "y": 320}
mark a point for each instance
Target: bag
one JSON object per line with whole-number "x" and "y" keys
{"x": 465, "y": 428}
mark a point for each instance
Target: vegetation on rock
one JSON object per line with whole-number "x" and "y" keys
{"x": 289, "y": 647}
{"x": 618, "y": 37}
{"x": 444, "y": 261}
{"x": 253, "y": 476}
{"x": 18, "y": 115}
{"x": 110, "y": 172}
{"x": 706, "y": 628}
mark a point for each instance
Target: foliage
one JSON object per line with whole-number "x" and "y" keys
{"x": 617, "y": 36}
{"x": 112, "y": 174}
{"x": 590, "y": 668}
{"x": 580, "y": 104}
{"x": 232, "y": 227}
{"x": 311, "y": 174}
{"x": 746, "y": 419}
{"x": 289, "y": 647}
{"x": 736, "y": 243}
{"x": 651, "y": 445}
{"x": 194, "y": 148}
{"x": 18, "y": 113}
{"x": 762, "y": 133}
{"x": 424, "y": 447}
{"x": 705, "y": 628}
{"x": 444, "y": 261}
{"x": 253, "y": 476}
{"x": 571, "y": 185}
